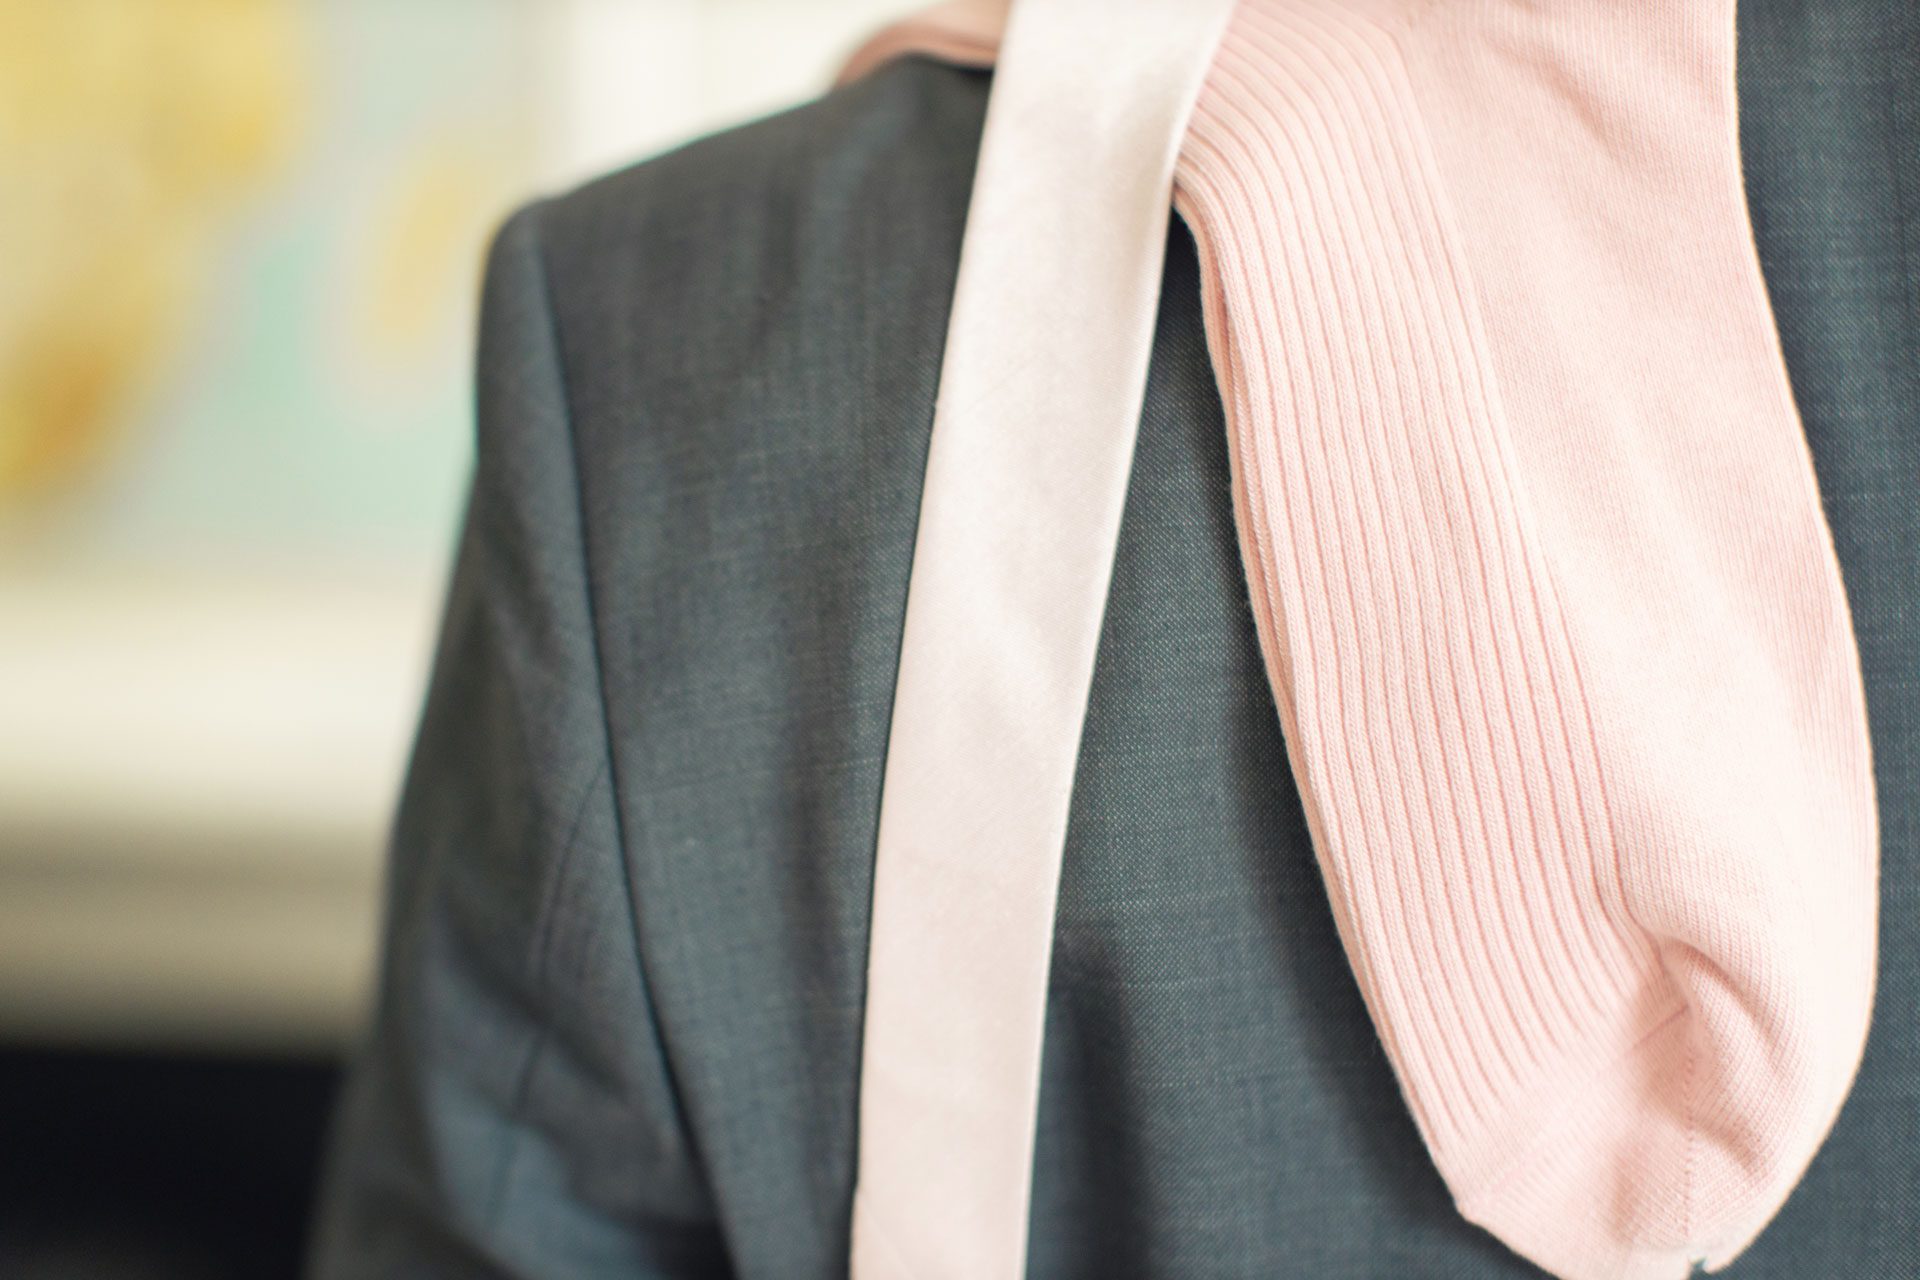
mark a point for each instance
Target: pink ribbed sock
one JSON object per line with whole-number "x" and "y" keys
{"x": 1547, "y": 600}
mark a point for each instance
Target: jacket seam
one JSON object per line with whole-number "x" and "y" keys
{"x": 557, "y": 344}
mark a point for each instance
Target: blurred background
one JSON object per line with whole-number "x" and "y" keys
{"x": 239, "y": 258}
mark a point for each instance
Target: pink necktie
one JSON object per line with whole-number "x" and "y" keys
{"x": 1548, "y": 604}
{"x": 1033, "y": 432}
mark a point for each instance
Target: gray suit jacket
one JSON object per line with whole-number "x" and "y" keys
{"x": 619, "y": 1022}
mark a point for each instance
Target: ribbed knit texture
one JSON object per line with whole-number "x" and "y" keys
{"x": 1546, "y": 598}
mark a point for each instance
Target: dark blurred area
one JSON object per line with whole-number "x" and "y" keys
{"x": 145, "y": 1166}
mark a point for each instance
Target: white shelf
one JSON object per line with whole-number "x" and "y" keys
{"x": 196, "y": 776}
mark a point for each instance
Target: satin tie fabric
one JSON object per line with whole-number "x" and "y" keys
{"x": 1033, "y": 435}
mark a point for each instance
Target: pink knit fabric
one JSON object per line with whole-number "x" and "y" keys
{"x": 1546, "y": 597}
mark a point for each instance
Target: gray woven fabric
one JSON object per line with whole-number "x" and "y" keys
{"x": 619, "y": 1022}
{"x": 1830, "y": 130}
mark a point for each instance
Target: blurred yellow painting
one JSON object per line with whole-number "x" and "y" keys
{"x": 240, "y": 238}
